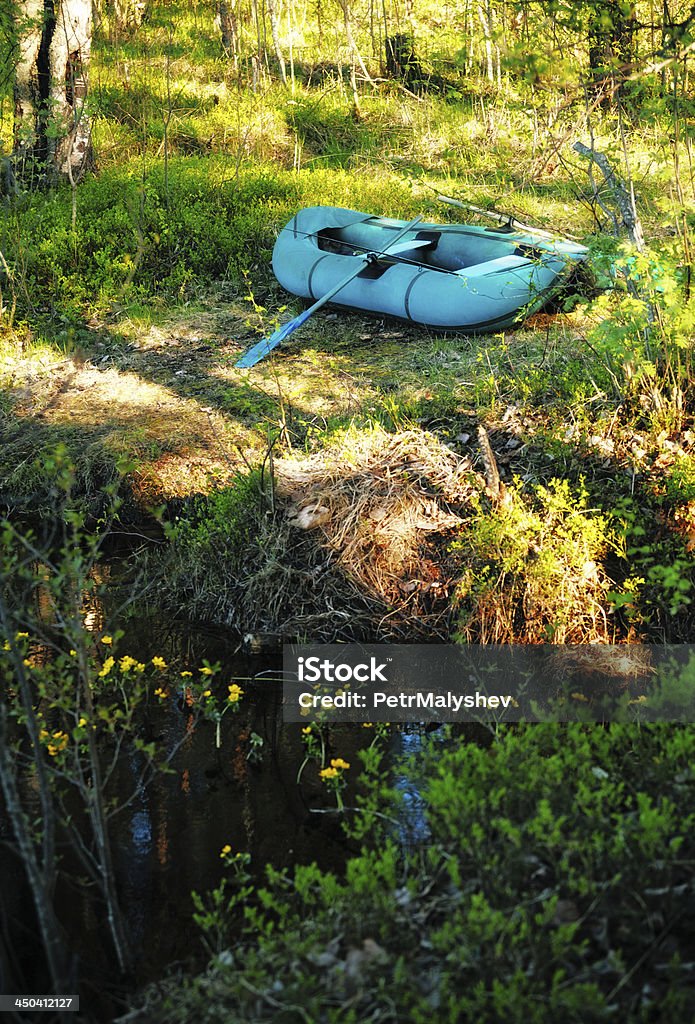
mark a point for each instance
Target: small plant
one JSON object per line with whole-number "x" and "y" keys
{"x": 334, "y": 778}
{"x": 532, "y": 570}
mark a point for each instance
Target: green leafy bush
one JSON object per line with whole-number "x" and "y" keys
{"x": 554, "y": 884}
{"x": 532, "y": 569}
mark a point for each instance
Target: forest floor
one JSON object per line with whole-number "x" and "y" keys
{"x": 131, "y": 300}
{"x": 156, "y": 401}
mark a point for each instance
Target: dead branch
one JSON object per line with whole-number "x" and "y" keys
{"x": 623, "y": 197}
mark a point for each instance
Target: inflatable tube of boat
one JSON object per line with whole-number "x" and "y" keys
{"x": 450, "y": 277}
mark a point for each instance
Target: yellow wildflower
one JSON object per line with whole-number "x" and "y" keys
{"x": 159, "y": 662}
{"x": 226, "y": 850}
{"x": 235, "y": 693}
{"x": 328, "y": 773}
{"x": 186, "y": 675}
{"x": 60, "y": 742}
{"x": 21, "y": 636}
{"x": 108, "y": 640}
{"x": 207, "y": 693}
{"x": 205, "y": 671}
{"x": 367, "y": 725}
{"x": 6, "y": 645}
{"x": 43, "y": 734}
{"x": 126, "y": 663}
{"x": 159, "y": 692}
{"x": 106, "y": 667}
{"x": 337, "y": 762}
{"x": 73, "y": 652}
{"x": 27, "y": 663}
{"x": 307, "y": 729}
{"x": 139, "y": 666}
{"x": 82, "y": 722}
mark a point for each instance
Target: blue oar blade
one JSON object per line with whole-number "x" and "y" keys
{"x": 261, "y": 349}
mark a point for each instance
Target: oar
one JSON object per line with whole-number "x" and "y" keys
{"x": 262, "y": 348}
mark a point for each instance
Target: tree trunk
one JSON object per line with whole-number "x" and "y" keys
{"x": 611, "y": 46}
{"x": 402, "y": 62}
{"x": 128, "y": 15}
{"x": 228, "y": 31}
{"x": 28, "y": 101}
{"x": 52, "y": 129}
{"x": 275, "y": 34}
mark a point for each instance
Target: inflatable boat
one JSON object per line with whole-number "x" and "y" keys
{"x": 450, "y": 277}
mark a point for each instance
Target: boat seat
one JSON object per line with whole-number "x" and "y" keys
{"x": 496, "y": 266}
{"x": 407, "y": 246}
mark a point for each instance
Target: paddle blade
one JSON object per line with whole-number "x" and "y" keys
{"x": 261, "y": 349}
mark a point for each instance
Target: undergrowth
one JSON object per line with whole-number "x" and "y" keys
{"x": 526, "y": 902}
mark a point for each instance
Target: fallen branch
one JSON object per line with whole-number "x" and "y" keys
{"x": 492, "y": 473}
{"x": 623, "y": 197}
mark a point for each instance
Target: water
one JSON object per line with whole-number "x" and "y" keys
{"x": 168, "y": 834}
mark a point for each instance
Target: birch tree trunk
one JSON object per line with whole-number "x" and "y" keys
{"x": 29, "y": 27}
{"x": 52, "y": 127}
{"x": 275, "y": 34}
{"x": 69, "y": 144}
{"x": 485, "y": 22}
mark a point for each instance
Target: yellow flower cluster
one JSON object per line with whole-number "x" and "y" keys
{"x": 226, "y": 850}
{"x": 335, "y": 770}
{"x": 108, "y": 640}
{"x": 126, "y": 663}
{"x": 56, "y": 742}
{"x": 235, "y": 693}
{"x": 162, "y": 694}
{"x": 158, "y": 662}
{"x": 106, "y": 667}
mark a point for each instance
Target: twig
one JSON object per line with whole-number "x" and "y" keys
{"x": 492, "y": 473}
{"x": 276, "y": 1003}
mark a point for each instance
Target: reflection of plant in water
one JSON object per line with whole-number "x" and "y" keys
{"x": 314, "y": 747}
{"x": 255, "y": 754}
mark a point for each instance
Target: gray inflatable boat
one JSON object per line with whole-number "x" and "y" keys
{"x": 453, "y": 277}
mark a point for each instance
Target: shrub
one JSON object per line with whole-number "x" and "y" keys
{"x": 554, "y": 884}
{"x": 531, "y": 570}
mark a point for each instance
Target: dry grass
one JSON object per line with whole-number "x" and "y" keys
{"x": 378, "y": 502}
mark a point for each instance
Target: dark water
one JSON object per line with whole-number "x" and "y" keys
{"x": 168, "y": 834}
{"x": 168, "y": 837}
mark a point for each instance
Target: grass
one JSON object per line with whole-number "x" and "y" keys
{"x": 123, "y": 325}
{"x": 374, "y": 481}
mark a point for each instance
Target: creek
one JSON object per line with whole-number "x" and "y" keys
{"x": 168, "y": 837}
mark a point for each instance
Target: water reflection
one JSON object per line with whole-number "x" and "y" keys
{"x": 412, "y": 822}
